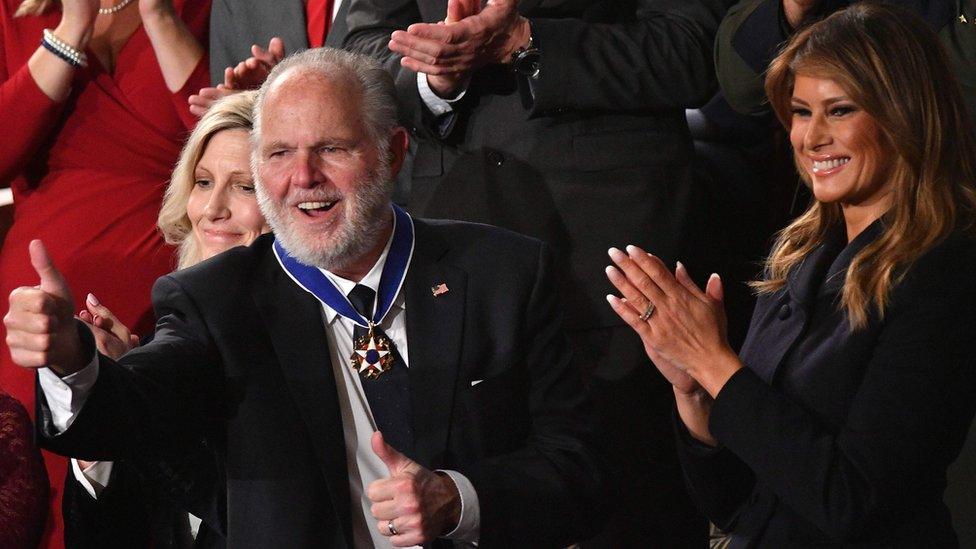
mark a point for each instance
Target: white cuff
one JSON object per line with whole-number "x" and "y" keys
{"x": 95, "y": 478}
{"x": 66, "y": 395}
{"x": 469, "y": 526}
{"x": 436, "y": 104}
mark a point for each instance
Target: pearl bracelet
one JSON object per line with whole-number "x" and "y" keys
{"x": 61, "y": 49}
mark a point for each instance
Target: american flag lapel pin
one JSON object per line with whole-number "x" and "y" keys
{"x": 439, "y": 289}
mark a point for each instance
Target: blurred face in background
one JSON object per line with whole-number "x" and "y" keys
{"x": 839, "y": 148}
{"x": 222, "y": 208}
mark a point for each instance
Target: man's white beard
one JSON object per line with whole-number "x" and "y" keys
{"x": 356, "y": 233}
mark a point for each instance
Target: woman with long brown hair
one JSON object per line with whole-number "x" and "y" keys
{"x": 856, "y": 385}
{"x": 93, "y": 99}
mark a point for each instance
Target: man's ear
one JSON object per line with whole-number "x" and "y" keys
{"x": 399, "y": 140}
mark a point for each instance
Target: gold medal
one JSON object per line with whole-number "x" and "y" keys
{"x": 371, "y": 355}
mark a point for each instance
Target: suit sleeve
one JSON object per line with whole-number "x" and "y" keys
{"x": 371, "y": 22}
{"x": 747, "y": 41}
{"x": 117, "y": 518}
{"x": 906, "y": 423}
{"x": 556, "y": 478}
{"x": 659, "y": 60}
{"x": 152, "y": 400}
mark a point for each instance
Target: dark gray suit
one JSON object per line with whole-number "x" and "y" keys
{"x": 240, "y": 345}
{"x": 236, "y": 24}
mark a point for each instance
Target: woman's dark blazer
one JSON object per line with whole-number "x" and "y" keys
{"x": 836, "y": 437}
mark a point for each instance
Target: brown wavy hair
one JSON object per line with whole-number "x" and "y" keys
{"x": 892, "y": 65}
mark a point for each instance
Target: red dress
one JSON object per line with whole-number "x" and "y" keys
{"x": 88, "y": 177}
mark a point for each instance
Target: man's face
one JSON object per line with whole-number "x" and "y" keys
{"x": 323, "y": 185}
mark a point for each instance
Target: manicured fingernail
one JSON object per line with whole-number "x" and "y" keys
{"x": 609, "y": 269}
{"x": 715, "y": 275}
{"x": 615, "y": 253}
{"x": 611, "y": 298}
{"x": 93, "y": 300}
{"x": 680, "y": 265}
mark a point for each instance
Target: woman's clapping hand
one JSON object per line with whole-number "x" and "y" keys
{"x": 685, "y": 331}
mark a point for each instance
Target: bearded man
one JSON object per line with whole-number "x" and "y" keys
{"x": 292, "y": 356}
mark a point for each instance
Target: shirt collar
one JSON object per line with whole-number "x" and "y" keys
{"x": 371, "y": 280}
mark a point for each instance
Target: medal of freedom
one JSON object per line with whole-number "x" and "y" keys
{"x": 371, "y": 355}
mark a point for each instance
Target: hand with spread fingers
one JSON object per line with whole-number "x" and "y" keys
{"x": 112, "y": 338}
{"x": 413, "y": 505}
{"x": 246, "y": 75}
{"x": 682, "y": 327}
{"x": 469, "y": 38}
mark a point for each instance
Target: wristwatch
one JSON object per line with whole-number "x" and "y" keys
{"x": 526, "y": 60}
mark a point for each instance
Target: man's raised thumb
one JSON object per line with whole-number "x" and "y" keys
{"x": 51, "y": 280}
{"x": 393, "y": 459}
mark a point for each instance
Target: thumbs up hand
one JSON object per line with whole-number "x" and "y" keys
{"x": 414, "y": 505}
{"x": 40, "y": 326}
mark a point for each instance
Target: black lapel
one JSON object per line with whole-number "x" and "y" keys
{"x": 766, "y": 348}
{"x": 836, "y": 275}
{"x": 434, "y": 330}
{"x": 294, "y": 322}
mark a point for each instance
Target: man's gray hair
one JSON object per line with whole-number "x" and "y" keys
{"x": 379, "y": 102}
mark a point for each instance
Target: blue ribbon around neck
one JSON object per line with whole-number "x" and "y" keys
{"x": 314, "y": 281}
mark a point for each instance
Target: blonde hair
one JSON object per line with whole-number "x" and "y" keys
{"x": 235, "y": 112}
{"x": 33, "y": 7}
{"x": 890, "y": 64}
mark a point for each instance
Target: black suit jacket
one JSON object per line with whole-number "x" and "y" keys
{"x": 240, "y": 358}
{"x": 146, "y": 505}
{"x": 833, "y": 437}
{"x": 598, "y": 155}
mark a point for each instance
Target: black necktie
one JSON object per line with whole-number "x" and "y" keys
{"x": 389, "y": 394}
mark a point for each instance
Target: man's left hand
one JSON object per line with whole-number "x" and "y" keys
{"x": 457, "y": 49}
{"x": 420, "y": 504}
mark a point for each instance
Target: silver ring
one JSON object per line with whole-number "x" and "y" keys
{"x": 391, "y": 528}
{"x": 647, "y": 312}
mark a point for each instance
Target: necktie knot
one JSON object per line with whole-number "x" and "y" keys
{"x": 363, "y": 298}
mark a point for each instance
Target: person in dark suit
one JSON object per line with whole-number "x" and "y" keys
{"x": 237, "y": 24}
{"x": 577, "y": 138}
{"x": 238, "y": 27}
{"x": 291, "y": 356}
{"x": 856, "y": 384}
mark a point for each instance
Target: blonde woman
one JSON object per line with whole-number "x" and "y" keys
{"x": 93, "y": 98}
{"x": 209, "y": 207}
{"x": 856, "y": 385}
